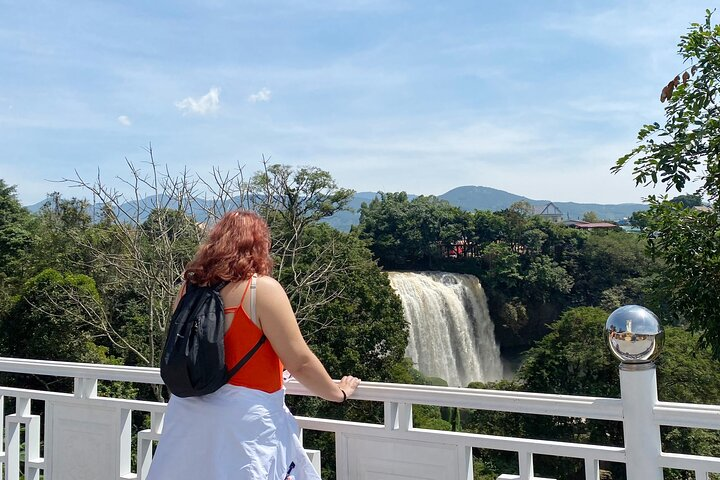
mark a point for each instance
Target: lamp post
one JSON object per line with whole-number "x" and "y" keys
{"x": 636, "y": 338}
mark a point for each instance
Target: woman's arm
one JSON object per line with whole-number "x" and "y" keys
{"x": 279, "y": 324}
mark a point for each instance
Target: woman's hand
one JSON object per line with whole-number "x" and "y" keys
{"x": 348, "y": 384}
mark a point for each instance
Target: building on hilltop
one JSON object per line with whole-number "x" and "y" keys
{"x": 550, "y": 212}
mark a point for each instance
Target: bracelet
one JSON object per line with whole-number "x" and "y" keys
{"x": 344, "y": 395}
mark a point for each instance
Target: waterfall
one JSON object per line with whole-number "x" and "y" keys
{"x": 451, "y": 334}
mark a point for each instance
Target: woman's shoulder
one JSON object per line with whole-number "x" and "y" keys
{"x": 267, "y": 285}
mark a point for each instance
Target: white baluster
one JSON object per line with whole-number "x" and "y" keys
{"x": 398, "y": 416}
{"x": 145, "y": 440}
{"x": 33, "y": 462}
{"x": 125, "y": 443}
{"x": 526, "y": 467}
{"x": 592, "y": 469}
{"x": 85, "y": 387}
{"x": 12, "y": 448}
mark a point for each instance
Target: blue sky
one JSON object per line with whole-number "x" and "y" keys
{"x": 535, "y": 97}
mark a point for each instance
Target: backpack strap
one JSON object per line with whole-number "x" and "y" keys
{"x": 253, "y": 309}
{"x": 231, "y": 373}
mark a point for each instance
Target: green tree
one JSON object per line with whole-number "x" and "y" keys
{"x": 516, "y": 219}
{"x": 487, "y": 227}
{"x": 688, "y": 201}
{"x": 607, "y": 260}
{"x": 412, "y": 234}
{"x": 59, "y": 235}
{"x": 546, "y": 279}
{"x": 384, "y": 223}
{"x": 591, "y": 217}
{"x": 50, "y": 319}
{"x": 436, "y": 223}
{"x": 47, "y": 322}
{"x": 502, "y": 267}
{"x": 522, "y": 208}
{"x": 15, "y": 240}
{"x": 639, "y": 219}
{"x": 297, "y": 197}
{"x": 686, "y": 146}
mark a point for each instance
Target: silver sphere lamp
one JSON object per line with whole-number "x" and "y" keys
{"x": 634, "y": 334}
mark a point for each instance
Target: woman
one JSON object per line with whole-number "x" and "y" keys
{"x": 244, "y": 431}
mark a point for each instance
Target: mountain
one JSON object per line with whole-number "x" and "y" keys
{"x": 485, "y": 198}
{"x": 482, "y": 198}
{"x": 140, "y": 209}
{"x": 35, "y": 207}
{"x": 467, "y": 197}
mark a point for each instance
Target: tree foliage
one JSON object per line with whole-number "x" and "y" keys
{"x": 15, "y": 237}
{"x": 408, "y": 233}
{"x": 591, "y": 217}
{"x": 45, "y": 321}
{"x": 684, "y": 149}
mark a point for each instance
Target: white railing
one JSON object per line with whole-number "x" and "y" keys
{"x": 83, "y": 436}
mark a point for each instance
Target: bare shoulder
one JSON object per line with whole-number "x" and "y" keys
{"x": 272, "y": 298}
{"x": 269, "y": 286}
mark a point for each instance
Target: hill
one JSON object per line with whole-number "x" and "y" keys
{"x": 466, "y": 197}
{"x": 486, "y": 198}
{"x": 482, "y": 198}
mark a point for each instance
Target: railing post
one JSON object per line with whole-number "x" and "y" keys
{"x": 85, "y": 387}
{"x": 638, "y": 388}
{"x": 526, "y": 467}
{"x": 636, "y": 338}
{"x": 398, "y": 416}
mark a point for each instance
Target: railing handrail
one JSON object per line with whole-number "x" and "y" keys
{"x": 398, "y": 400}
{"x": 483, "y": 399}
{"x": 601, "y": 408}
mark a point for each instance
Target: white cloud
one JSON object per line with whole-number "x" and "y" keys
{"x": 263, "y": 95}
{"x": 208, "y": 103}
{"x": 124, "y": 120}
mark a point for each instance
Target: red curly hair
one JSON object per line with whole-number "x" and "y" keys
{"x": 237, "y": 247}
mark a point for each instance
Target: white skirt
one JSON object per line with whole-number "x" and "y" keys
{"x": 235, "y": 433}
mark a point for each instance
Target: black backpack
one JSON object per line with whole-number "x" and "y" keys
{"x": 193, "y": 360}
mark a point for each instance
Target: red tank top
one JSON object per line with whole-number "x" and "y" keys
{"x": 264, "y": 370}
